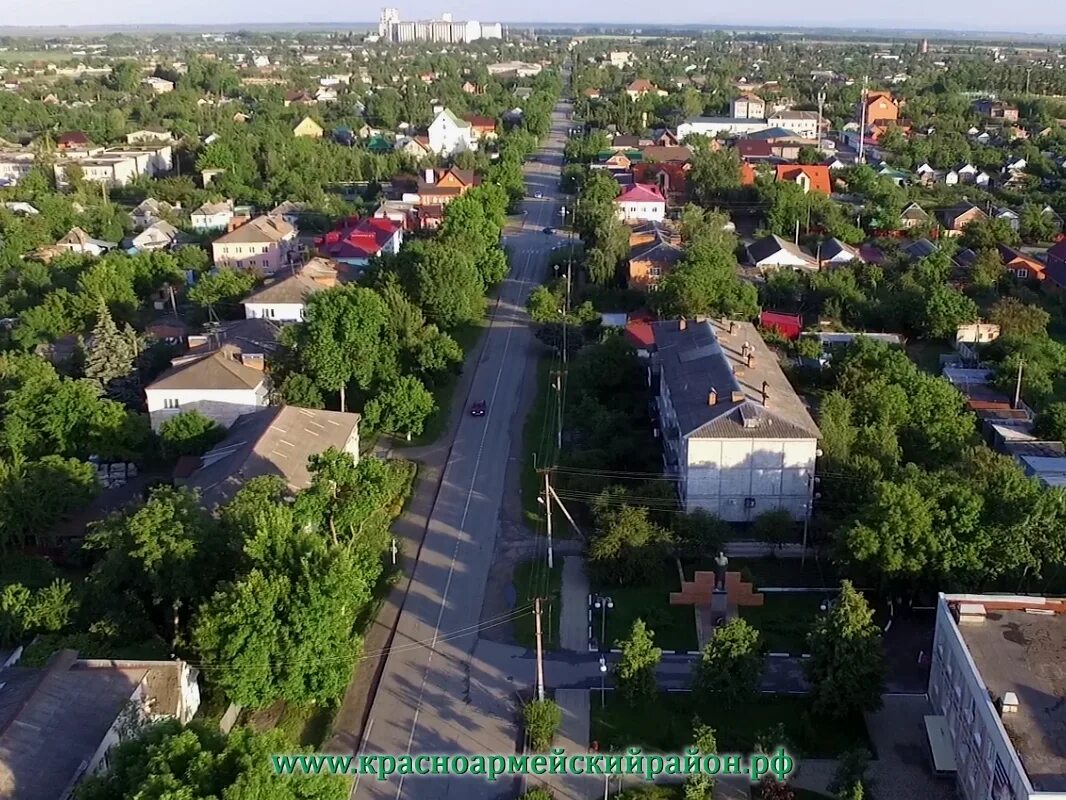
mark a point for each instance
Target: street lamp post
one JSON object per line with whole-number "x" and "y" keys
{"x": 603, "y": 603}
{"x": 603, "y": 681}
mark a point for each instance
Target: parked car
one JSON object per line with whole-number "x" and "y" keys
{"x": 538, "y": 195}
{"x": 549, "y": 231}
{"x": 479, "y": 408}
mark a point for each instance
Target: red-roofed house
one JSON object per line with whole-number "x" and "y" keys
{"x": 72, "y": 140}
{"x": 639, "y": 332}
{"x": 640, "y": 202}
{"x": 483, "y": 127}
{"x": 670, "y": 177}
{"x": 811, "y": 177}
{"x": 356, "y": 244}
{"x": 788, "y": 325}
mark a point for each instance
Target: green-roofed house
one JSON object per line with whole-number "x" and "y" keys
{"x": 448, "y": 134}
{"x": 378, "y": 144}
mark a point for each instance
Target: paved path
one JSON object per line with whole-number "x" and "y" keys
{"x": 574, "y": 617}
{"x": 435, "y": 693}
{"x": 573, "y": 737}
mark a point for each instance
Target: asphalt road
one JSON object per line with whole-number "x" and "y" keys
{"x": 434, "y": 695}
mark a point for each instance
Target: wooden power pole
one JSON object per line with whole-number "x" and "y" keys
{"x": 540, "y": 650}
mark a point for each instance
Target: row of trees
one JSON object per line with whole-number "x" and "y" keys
{"x": 920, "y": 503}
{"x": 391, "y": 339}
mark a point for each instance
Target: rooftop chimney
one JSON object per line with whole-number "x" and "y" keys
{"x": 737, "y": 396}
{"x": 732, "y": 326}
{"x": 712, "y": 397}
{"x": 430, "y": 175}
{"x": 682, "y": 324}
{"x": 765, "y": 393}
{"x": 751, "y": 359}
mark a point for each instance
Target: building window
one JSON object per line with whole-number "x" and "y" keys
{"x": 170, "y": 402}
{"x": 265, "y": 248}
{"x": 270, "y": 313}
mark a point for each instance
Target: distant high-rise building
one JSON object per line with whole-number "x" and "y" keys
{"x": 923, "y": 48}
{"x": 388, "y": 18}
{"x": 445, "y": 30}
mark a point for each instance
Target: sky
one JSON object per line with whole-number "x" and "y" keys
{"x": 1028, "y": 16}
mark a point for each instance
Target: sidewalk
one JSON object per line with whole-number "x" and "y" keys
{"x": 409, "y": 529}
{"x": 574, "y": 617}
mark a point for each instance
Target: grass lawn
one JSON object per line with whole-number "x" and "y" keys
{"x": 780, "y": 572}
{"x": 308, "y": 726}
{"x": 529, "y": 581}
{"x": 444, "y": 393}
{"x": 535, "y": 440}
{"x": 784, "y": 620}
{"x": 665, "y": 724}
{"x": 674, "y": 626}
{"x": 927, "y": 354}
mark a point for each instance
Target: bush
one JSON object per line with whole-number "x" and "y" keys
{"x": 542, "y": 720}
{"x": 774, "y": 527}
{"x": 539, "y": 793}
{"x": 189, "y": 434}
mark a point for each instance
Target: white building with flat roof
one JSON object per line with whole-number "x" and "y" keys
{"x": 996, "y": 684}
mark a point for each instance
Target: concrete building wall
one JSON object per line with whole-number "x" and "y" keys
{"x": 739, "y": 479}
{"x": 221, "y": 405}
{"x": 280, "y": 312}
{"x": 979, "y": 740}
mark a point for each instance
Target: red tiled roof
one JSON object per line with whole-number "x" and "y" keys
{"x": 754, "y": 148}
{"x": 72, "y": 137}
{"x": 478, "y": 121}
{"x": 817, "y": 173}
{"x": 364, "y": 240}
{"x": 641, "y": 193}
{"x": 747, "y": 174}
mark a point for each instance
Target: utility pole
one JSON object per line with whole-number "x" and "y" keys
{"x": 821, "y": 108}
{"x": 862, "y": 126}
{"x": 540, "y": 650}
{"x": 548, "y": 513}
{"x": 1018, "y": 386}
{"x": 558, "y": 384}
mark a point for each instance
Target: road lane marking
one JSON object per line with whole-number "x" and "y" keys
{"x": 522, "y": 276}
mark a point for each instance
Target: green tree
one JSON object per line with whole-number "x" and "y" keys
{"x": 26, "y": 612}
{"x": 199, "y": 763}
{"x": 1018, "y": 319}
{"x": 401, "y": 407}
{"x": 986, "y": 234}
{"x": 775, "y": 527}
{"x": 297, "y": 581}
{"x": 714, "y": 173}
{"x": 626, "y": 546}
{"x": 343, "y": 338}
{"x": 846, "y": 668}
{"x": 299, "y": 390}
{"x": 222, "y": 289}
{"x": 542, "y": 719}
{"x": 69, "y": 484}
{"x": 164, "y": 553}
{"x": 1051, "y": 422}
{"x": 189, "y": 433}
{"x": 700, "y": 785}
{"x": 111, "y": 355}
{"x": 730, "y": 665}
{"x": 635, "y": 674}
{"x": 849, "y": 780}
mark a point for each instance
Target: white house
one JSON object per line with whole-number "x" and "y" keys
{"x": 448, "y": 134}
{"x": 713, "y": 126}
{"x": 735, "y": 435}
{"x": 641, "y": 202}
{"x": 212, "y": 216}
{"x": 221, "y": 385}
{"x": 78, "y": 241}
{"x": 158, "y": 236}
{"x": 1010, "y": 217}
{"x": 158, "y": 85}
{"x": 773, "y": 252}
{"x": 150, "y": 211}
{"x": 802, "y": 123}
{"x": 284, "y": 300}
